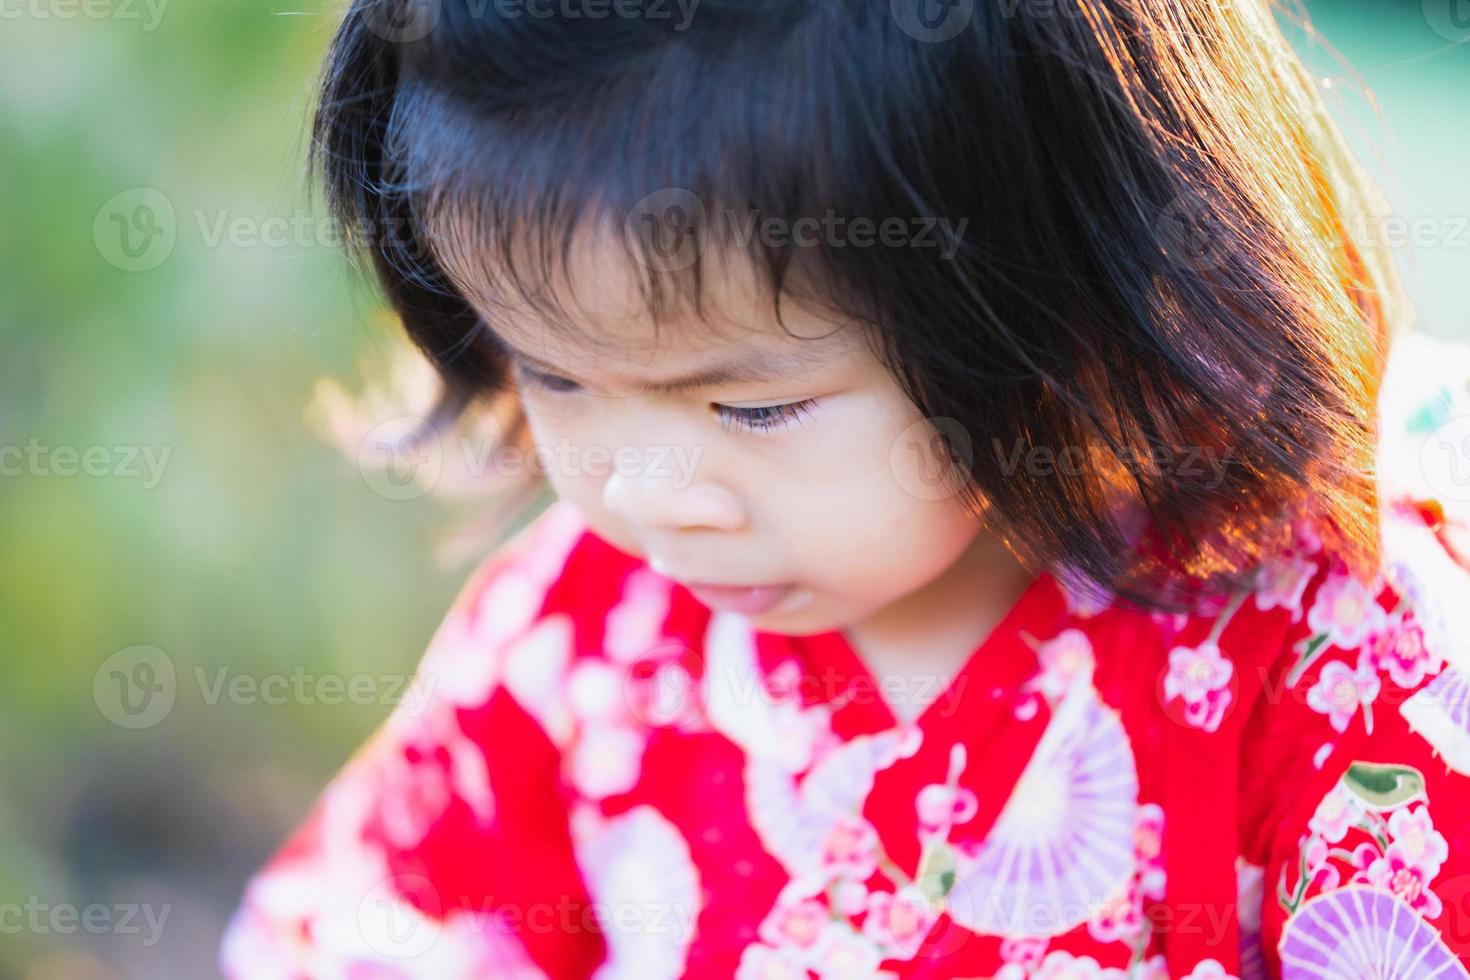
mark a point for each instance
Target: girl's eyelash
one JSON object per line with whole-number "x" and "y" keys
{"x": 767, "y": 417}
{"x": 761, "y": 419}
{"x": 548, "y": 381}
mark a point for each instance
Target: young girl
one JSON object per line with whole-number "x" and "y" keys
{"x": 969, "y": 558}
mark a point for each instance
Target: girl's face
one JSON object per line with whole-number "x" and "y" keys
{"x": 796, "y": 466}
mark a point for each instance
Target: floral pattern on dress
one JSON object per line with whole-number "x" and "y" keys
{"x": 1373, "y": 828}
{"x": 1063, "y": 845}
{"x": 645, "y": 887}
{"x": 1270, "y": 785}
{"x": 1365, "y": 932}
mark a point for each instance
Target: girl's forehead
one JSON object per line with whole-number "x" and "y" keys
{"x": 593, "y": 307}
{"x": 633, "y": 344}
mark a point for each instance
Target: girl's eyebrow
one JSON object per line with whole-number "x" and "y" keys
{"x": 759, "y": 365}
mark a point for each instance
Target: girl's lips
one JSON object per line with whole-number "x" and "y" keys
{"x": 748, "y": 599}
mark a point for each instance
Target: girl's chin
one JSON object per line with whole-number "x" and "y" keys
{"x": 799, "y": 614}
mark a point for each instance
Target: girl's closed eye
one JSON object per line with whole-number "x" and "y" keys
{"x": 549, "y": 382}
{"x": 762, "y": 418}
{"x": 766, "y": 417}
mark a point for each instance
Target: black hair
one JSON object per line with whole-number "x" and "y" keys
{"x": 1157, "y": 258}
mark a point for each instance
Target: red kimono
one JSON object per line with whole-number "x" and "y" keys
{"x": 596, "y": 776}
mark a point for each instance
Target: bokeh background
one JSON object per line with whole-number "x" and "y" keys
{"x": 208, "y": 595}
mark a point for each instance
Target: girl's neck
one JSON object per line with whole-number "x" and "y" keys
{"x": 931, "y": 632}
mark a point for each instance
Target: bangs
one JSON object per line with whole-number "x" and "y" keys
{"x": 1127, "y": 235}
{"x": 512, "y": 231}
{"x": 685, "y": 174}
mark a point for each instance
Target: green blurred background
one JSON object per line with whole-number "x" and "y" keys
{"x": 218, "y": 528}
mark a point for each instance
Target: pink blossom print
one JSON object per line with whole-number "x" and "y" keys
{"x": 1200, "y": 677}
{"x": 1341, "y": 690}
{"x": 599, "y": 778}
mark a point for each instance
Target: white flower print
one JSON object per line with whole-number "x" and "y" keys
{"x": 638, "y": 868}
{"x": 1399, "y": 648}
{"x": 1200, "y": 677}
{"x": 898, "y": 922}
{"x": 635, "y": 624}
{"x": 1061, "y": 965}
{"x": 338, "y": 913}
{"x": 942, "y": 805}
{"x": 605, "y": 760}
{"x": 849, "y": 897}
{"x": 1340, "y": 690}
{"x": 794, "y": 923}
{"x": 842, "y": 953}
{"x": 1337, "y": 811}
{"x": 1021, "y": 954}
{"x": 772, "y": 726}
{"x": 1409, "y": 863}
{"x": 1412, "y": 832}
{"x": 536, "y": 667}
{"x": 1345, "y": 611}
{"x": 418, "y": 785}
{"x": 815, "y": 827}
{"x": 1148, "y": 850}
{"x": 850, "y": 849}
{"x": 759, "y": 962}
{"x": 1282, "y": 583}
{"x": 1398, "y": 848}
{"x": 594, "y": 691}
{"x": 1061, "y": 658}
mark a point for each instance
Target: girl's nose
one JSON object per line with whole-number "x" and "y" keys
{"x": 660, "y": 501}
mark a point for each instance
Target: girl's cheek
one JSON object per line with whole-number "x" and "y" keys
{"x": 556, "y": 420}
{"x": 580, "y": 446}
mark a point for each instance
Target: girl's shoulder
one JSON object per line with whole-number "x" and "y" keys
{"x": 1308, "y": 634}
{"x": 1416, "y": 595}
{"x": 474, "y": 763}
{"x": 1392, "y": 629}
{"x": 1355, "y": 762}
